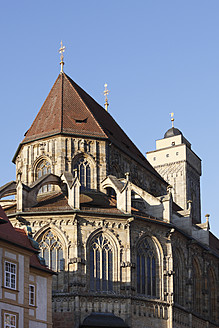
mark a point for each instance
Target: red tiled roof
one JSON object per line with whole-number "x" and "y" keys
{"x": 18, "y": 237}
{"x": 10, "y": 234}
{"x": 68, "y": 109}
{"x": 64, "y": 111}
{"x": 35, "y": 263}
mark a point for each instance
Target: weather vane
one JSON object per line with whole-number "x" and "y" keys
{"x": 61, "y": 50}
{"x": 106, "y": 92}
{"x": 172, "y": 119}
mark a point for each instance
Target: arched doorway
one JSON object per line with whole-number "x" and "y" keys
{"x": 103, "y": 320}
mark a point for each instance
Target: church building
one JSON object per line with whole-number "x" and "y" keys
{"x": 124, "y": 233}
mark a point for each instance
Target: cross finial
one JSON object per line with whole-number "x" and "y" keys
{"x": 172, "y": 119}
{"x": 106, "y": 92}
{"x": 61, "y": 50}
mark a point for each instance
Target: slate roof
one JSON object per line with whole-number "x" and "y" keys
{"x": 69, "y": 110}
{"x": 89, "y": 201}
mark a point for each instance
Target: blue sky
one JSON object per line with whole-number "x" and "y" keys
{"x": 156, "y": 56}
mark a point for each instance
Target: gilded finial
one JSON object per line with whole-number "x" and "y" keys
{"x": 61, "y": 50}
{"x": 172, "y": 119}
{"x": 106, "y": 92}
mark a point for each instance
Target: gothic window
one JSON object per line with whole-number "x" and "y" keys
{"x": 101, "y": 264}
{"x": 51, "y": 250}
{"x": 196, "y": 287}
{"x": 178, "y": 278}
{"x": 43, "y": 168}
{"x": 84, "y": 173}
{"x": 212, "y": 299}
{"x": 146, "y": 269}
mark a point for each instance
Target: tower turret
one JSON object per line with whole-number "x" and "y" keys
{"x": 176, "y": 162}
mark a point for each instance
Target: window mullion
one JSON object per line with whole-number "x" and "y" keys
{"x": 50, "y": 258}
{"x": 107, "y": 270}
{"x": 101, "y": 268}
{"x": 85, "y": 176}
{"x": 141, "y": 280}
{"x": 56, "y": 259}
{"x": 151, "y": 267}
{"x": 95, "y": 270}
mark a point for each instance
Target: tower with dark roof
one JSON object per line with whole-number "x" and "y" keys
{"x": 127, "y": 250}
{"x": 177, "y": 163}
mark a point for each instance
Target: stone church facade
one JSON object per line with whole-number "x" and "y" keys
{"x": 125, "y": 236}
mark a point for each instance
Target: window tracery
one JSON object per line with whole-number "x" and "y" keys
{"x": 101, "y": 264}
{"x": 52, "y": 250}
{"x": 43, "y": 168}
{"x": 84, "y": 172}
{"x": 146, "y": 269}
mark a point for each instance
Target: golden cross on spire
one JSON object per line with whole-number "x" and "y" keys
{"x": 106, "y": 92}
{"x": 61, "y": 50}
{"x": 172, "y": 119}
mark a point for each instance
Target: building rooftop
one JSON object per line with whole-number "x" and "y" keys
{"x": 69, "y": 110}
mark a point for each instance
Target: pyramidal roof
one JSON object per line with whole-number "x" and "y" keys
{"x": 69, "y": 110}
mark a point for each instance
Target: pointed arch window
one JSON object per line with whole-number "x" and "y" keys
{"x": 196, "y": 287}
{"x": 52, "y": 250}
{"x": 84, "y": 173}
{"x": 43, "y": 168}
{"x": 178, "y": 278}
{"x": 212, "y": 296}
{"x": 101, "y": 264}
{"x": 146, "y": 269}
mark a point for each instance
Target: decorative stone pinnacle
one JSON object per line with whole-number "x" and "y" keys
{"x": 169, "y": 188}
{"x": 207, "y": 217}
{"x": 127, "y": 176}
{"x": 61, "y": 50}
{"x": 75, "y": 173}
{"x": 189, "y": 202}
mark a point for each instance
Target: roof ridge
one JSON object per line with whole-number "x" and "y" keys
{"x": 41, "y": 107}
{"x": 107, "y": 132}
{"x": 105, "y": 112}
{"x": 100, "y": 126}
{"x": 58, "y": 116}
{"x": 62, "y": 92}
